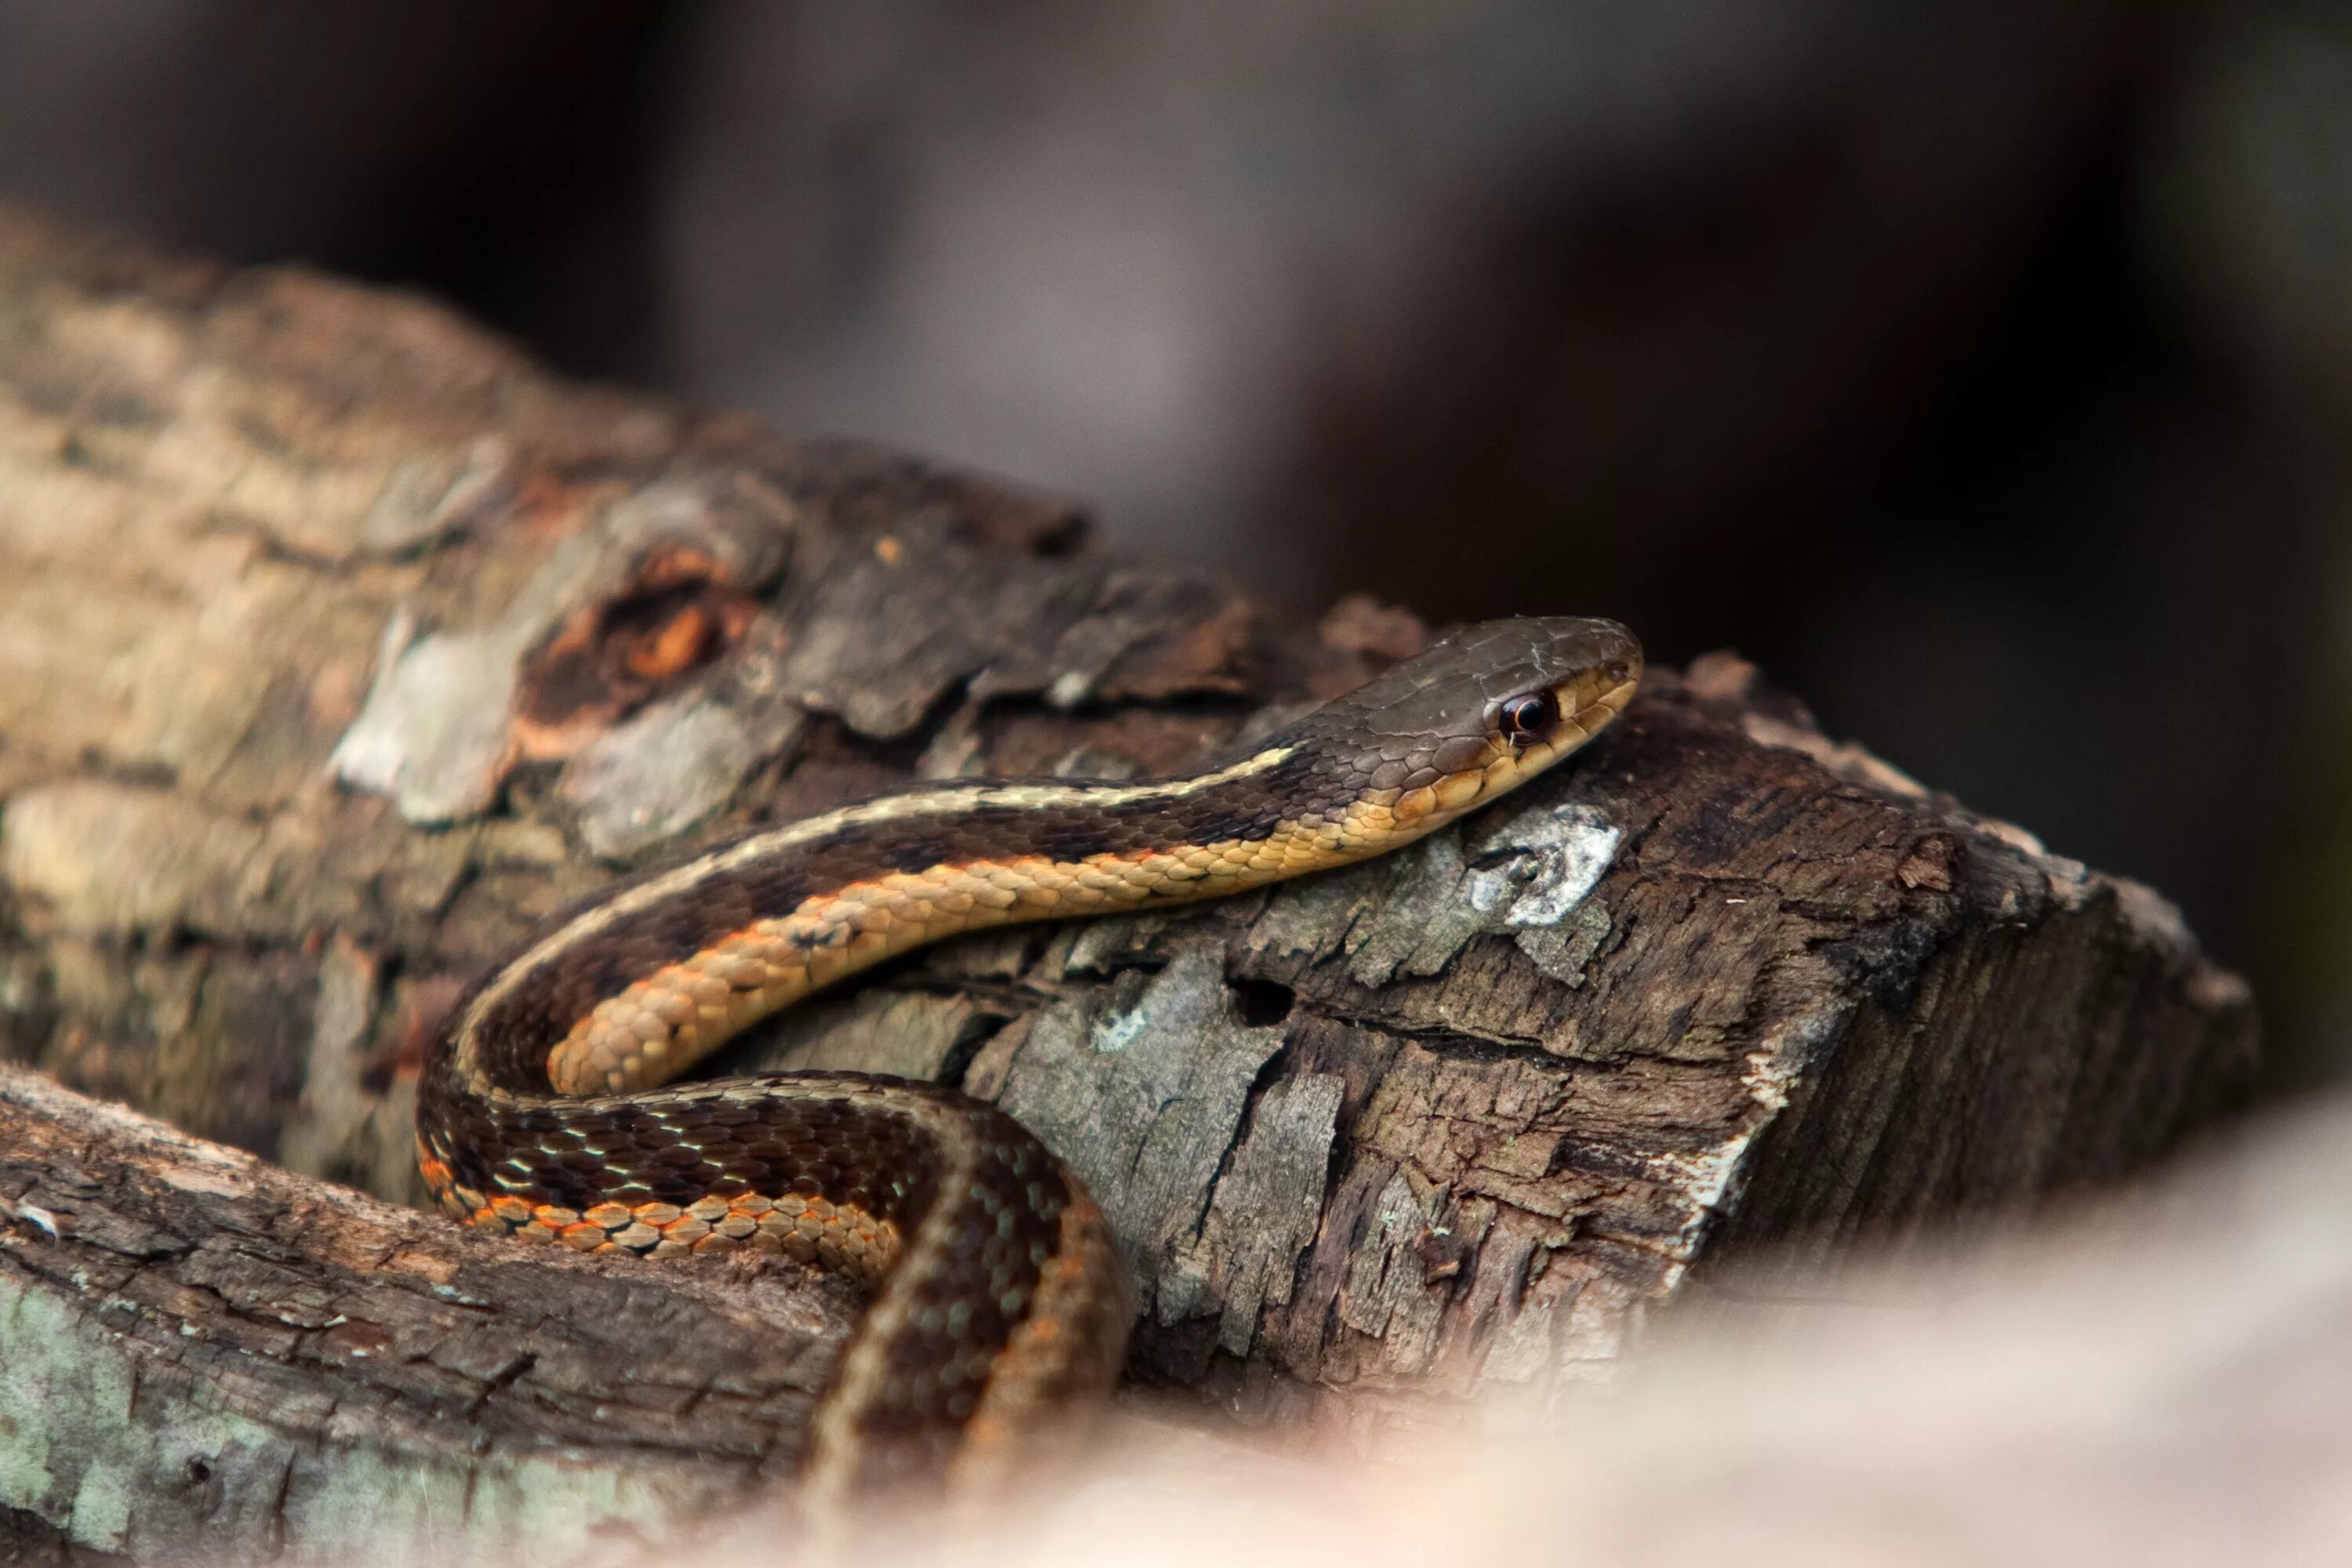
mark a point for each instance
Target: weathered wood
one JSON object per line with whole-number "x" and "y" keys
{"x": 206, "y": 1351}
{"x": 337, "y": 644}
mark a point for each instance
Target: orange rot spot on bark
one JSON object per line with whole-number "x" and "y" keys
{"x": 674, "y": 647}
{"x": 679, "y": 610}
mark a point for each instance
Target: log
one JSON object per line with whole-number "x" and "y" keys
{"x": 207, "y": 1351}
{"x": 337, "y": 643}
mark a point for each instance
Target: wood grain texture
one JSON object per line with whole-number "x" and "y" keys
{"x": 338, "y": 644}
{"x": 203, "y": 1351}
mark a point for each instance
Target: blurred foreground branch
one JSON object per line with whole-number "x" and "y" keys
{"x": 2155, "y": 1381}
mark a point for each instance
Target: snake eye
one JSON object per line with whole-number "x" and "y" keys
{"x": 1528, "y": 718}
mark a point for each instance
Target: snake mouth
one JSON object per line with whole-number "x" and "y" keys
{"x": 1606, "y": 665}
{"x": 1612, "y": 702}
{"x": 1600, "y": 698}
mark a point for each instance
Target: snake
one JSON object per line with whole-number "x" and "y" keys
{"x": 997, "y": 1302}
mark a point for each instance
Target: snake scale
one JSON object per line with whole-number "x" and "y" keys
{"x": 998, "y": 1302}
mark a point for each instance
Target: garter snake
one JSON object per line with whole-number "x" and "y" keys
{"x": 998, "y": 1302}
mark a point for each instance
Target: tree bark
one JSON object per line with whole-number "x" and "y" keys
{"x": 337, "y": 643}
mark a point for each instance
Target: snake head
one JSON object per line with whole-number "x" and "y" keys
{"x": 1480, "y": 712}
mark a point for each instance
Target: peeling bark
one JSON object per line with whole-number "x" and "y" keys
{"x": 337, "y": 644}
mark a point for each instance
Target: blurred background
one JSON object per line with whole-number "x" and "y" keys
{"x": 1979, "y": 369}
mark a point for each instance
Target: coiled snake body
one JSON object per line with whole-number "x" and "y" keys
{"x": 999, "y": 1299}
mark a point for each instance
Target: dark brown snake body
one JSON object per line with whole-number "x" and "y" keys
{"x": 1000, "y": 1303}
